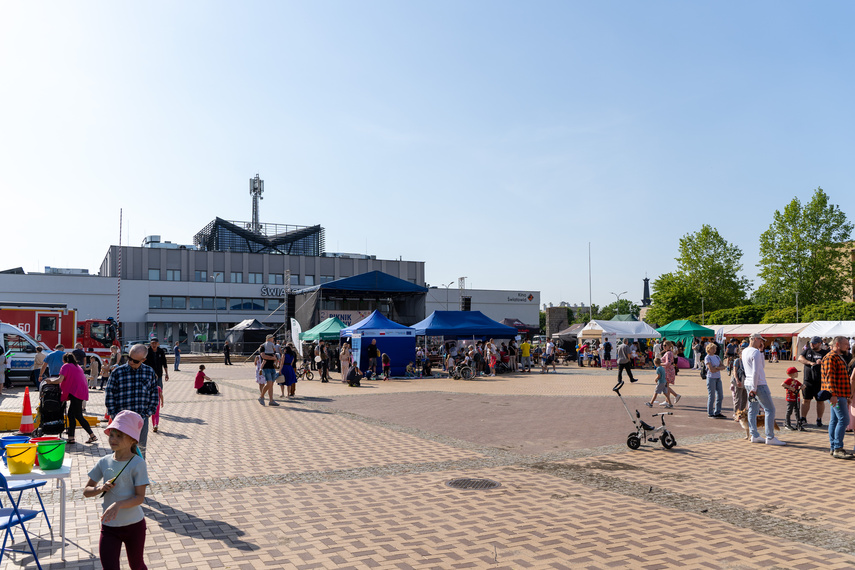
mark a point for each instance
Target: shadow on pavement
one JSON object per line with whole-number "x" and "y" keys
{"x": 169, "y": 434}
{"x": 187, "y": 524}
{"x": 182, "y": 419}
{"x": 313, "y": 399}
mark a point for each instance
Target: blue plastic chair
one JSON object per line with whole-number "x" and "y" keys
{"x": 20, "y": 487}
{"x": 13, "y": 516}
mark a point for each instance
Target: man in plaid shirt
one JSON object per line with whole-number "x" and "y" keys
{"x": 836, "y": 380}
{"x": 133, "y": 386}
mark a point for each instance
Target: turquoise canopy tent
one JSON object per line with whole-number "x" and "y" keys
{"x": 684, "y": 331}
{"x": 329, "y": 329}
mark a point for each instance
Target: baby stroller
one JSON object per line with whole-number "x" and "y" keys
{"x": 503, "y": 365}
{"x": 50, "y": 412}
{"x": 644, "y": 431}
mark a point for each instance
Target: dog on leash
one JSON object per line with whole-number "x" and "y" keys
{"x": 742, "y": 419}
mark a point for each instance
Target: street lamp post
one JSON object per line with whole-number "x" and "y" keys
{"x": 216, "y": 308}
{"x": 446, "y": 294}
{"x": 617, "y": 295}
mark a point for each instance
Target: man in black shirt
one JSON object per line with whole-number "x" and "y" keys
{"x": 79, "y": 355}
{"x": 811, "y": 357}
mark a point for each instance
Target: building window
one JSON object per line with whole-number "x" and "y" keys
{"x": 173, "y": 275}
{"x": 295, "y": 279}
{"x": 155, "y": 302}
{"x": 154, "y": 274}
{"x": 327, "y": 278}
{"x": 275, "y": 304}
{"x": 237, "y": 277}
{"x": 255, "y": 304}
{"x": 218, "y": 276}
{"x": 310, "y": 279}
{"x": 255, "y": 278}
{"x": 201, "y": 276}
{"x": 275, "y": 279}
{"x": 201, "y": 304}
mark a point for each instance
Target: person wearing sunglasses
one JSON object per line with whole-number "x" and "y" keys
{"x": 133, "y": 386}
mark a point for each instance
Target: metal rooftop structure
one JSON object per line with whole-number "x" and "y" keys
{"x": 223, "y": 235}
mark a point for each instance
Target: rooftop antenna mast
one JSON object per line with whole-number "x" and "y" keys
{"x": 256, "y": 189}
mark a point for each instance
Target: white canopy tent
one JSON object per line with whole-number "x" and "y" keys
{"x": 617, "y": 329}
{"x": 828, "y": 329}
{"x": 794, "y": 332}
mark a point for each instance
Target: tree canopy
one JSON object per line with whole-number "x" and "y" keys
{"x": 708, "y": 268}
{"x": 804, "y": 251}
{"x": 626, "y": 307}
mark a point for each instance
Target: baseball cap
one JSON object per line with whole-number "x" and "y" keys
{"x": 792, "y": 370}
{"x": 816, "y": 340}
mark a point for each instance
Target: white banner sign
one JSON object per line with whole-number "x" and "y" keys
{"x": 296, "y": 329}
{"x": 349, "y": 318}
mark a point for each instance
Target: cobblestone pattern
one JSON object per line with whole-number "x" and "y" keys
{"x": 306, "y": 485}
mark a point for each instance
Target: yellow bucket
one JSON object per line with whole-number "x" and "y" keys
{"x": 21, "y": 457}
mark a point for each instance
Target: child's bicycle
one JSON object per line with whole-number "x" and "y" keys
{"x": 643, "y": 431}
{"x": 304, "y": 371}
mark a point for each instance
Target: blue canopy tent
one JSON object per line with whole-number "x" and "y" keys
{"x": 396, "y": 340}
{"x": 463, "y": 324}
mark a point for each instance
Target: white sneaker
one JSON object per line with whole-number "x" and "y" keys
{"x": 774, "y": 441}
{"x": 758, "y": 440}
{"x": 662, "y": 403}
{"x": 677, "y": 398}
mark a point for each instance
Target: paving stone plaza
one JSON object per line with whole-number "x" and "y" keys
{"x": 357, "y": 478}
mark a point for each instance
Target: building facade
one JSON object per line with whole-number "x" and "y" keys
{"x": 496, "y": 304}
{"x": 191, "y": 295}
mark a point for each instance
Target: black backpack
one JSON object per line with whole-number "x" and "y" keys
{"x": 209, "y": 388}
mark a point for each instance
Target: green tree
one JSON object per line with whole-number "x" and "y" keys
{"x": 707, "y": 277}
{"x": 803, "y": 252}
{"x": 711, "y": 266}
{"x": 626, "y": 307}
{"x": 834, "y": 311}
{"x": 673, "y": 298}
{"x": 781, "y": 315}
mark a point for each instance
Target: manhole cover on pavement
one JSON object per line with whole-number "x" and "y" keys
{"x": 473, "y": 484}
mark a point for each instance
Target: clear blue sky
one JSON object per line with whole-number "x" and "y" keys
{"x": 491, "y": 139}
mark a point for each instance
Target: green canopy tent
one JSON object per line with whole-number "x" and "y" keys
{"x": 685, "y": 331}
{"x": 329, "y": 329}
{"x": 624, "y": 318}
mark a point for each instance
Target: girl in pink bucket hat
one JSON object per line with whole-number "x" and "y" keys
{"x": 125, "y": 478}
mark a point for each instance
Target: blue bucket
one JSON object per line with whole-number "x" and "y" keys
{"x": 7, "y": 439}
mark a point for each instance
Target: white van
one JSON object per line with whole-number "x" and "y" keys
{"x": 20, "y": 351}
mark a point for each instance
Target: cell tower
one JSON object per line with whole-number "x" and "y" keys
{"x": 256, "y": 189}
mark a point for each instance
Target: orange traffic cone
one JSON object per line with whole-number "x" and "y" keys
{"x": 27, "y": 415}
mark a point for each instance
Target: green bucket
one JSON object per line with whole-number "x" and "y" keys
{"x": 51, "y": 454}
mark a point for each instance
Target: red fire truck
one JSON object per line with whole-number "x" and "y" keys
{"x": 53, "y": 324}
